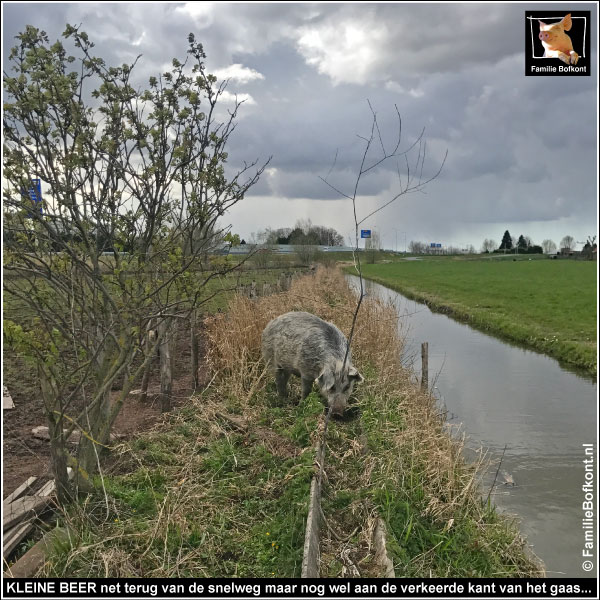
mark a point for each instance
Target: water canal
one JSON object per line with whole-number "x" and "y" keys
{"x": 508, "y": 397}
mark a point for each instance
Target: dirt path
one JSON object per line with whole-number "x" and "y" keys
{"x": 25, "y": 456}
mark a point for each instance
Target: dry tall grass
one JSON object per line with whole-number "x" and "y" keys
{"x": 419, "y": 452}
{"x": 235, "y": 335}
{"x": 235, "y": 339}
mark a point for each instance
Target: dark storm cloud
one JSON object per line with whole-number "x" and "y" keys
{"x": 521, "y": 149}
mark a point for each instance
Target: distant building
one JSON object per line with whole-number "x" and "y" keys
{"x": 568, "y": 252}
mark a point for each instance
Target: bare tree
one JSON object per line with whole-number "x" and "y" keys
{"x": 549, "y": 246}
{"x": 412, "y": 182}
{"x": 589, "y": 247}
{"x": 417, "y": 247}
{"x": 373, "y": 246}
{"x": 305, "y": 253}
{"x": 567, "y": 243}
{"x": 488, "y": 245}
{"x": 134, "y": 183}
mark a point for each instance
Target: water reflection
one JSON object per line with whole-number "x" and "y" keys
{"x": 507, "y": 396}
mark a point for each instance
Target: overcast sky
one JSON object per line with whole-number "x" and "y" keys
{"x": 522, "y": 151}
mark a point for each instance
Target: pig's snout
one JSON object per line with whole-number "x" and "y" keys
{"x": 544, "y": 35}
{"x": 337, "y": 408}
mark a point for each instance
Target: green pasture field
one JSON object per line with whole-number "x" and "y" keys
{"x": 546, "y": 305}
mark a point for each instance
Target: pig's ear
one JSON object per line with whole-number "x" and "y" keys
{"x": 566, "y": 22}
{"x": 325, "y": 380}
{"x": 354, "y": 374}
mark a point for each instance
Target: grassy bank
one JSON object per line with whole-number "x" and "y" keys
{"x": 221, "y": 487}
{"x": 546, "y": 305}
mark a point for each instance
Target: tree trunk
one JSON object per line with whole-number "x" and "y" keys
{"x": 93, "y": 441}
{"x": 58, "y": 452}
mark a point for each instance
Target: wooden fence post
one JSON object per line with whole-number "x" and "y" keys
{"x": 194, "y": 349}
{"x": 166, "y": 366}
{"x": 424, "y": 366}
{"x": 148, "y": 342}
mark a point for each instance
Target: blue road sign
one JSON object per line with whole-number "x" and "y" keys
{"x": 35, "y": 193}
{"x": 365, "y": 233}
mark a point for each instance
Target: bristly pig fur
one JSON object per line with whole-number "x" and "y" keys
{"x": 302, "y": 344}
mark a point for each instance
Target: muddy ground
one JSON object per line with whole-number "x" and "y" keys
{"x": 25, "y": 455}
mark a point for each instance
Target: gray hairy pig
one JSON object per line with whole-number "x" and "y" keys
{"x": 302, "y": 344}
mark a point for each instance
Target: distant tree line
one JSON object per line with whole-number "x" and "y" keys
{"x": 525, "y": 245}
{"x": 304, "y": 233}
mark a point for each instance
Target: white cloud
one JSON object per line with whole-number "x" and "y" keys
{"x": 348, "y": 51}
{"x": 229, "y": 98}
{"x": 139, "y": 41}
{"x": 239, "y": 73}
{"x": 201, "y": 12}
{"x": 396, "y": 88}
{"x": 522, "y": 150}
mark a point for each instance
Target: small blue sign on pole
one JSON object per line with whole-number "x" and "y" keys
{"x": 35, "y": 193}
{"x": 365, "y": 233}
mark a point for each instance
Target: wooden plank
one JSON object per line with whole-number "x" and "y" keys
{"x": 23, "y": 508}
{"x": 47, "y": 489}
{"x": 7, "y": 401}
{"x": 29, "y": 564}
{"x": 381, "y": 555}
{"x": 41, "y": 432}
{"x": 14, "y": 535}
{"x": 50, "y": 486}
{"x": 425, "y": 366}
{"x": 310, "y": 558}
{"x": 20, "y": 490}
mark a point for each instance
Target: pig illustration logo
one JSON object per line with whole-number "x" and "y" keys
{"x": 557, "y": 44}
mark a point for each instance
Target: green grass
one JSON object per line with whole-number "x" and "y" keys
{"x": 199, "y": 499}
{"x": 201, "y": 495}
{"x": 190, "y": 502}
{"x": 547, "y": 305}
{"x": 472, "y": 540}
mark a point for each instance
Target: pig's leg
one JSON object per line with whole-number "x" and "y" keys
{"x": 281, "y": 380}
{"x": 306, "y": 387}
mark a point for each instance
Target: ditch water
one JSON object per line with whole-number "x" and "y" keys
{"x": 505, "y": 396}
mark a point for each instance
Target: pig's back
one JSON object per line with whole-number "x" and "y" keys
{"x": 303, "y": 342}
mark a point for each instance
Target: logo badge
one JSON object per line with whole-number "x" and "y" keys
{"x": 557, "y": 43}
